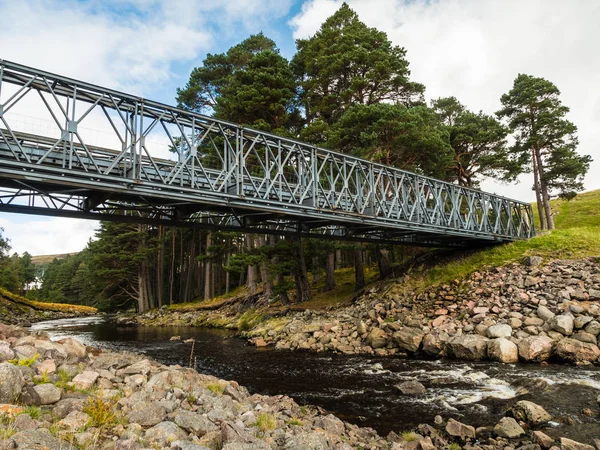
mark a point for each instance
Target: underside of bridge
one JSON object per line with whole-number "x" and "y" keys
{"x": 95, "y": 153}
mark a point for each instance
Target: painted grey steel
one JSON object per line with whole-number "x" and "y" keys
{"x": 223, "y": 176}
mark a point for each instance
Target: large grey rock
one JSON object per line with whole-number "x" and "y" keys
{"x": 86, "y": 379}
{"x": 187, "y": 445}
{"x": 231, "y": 433}
{"x": 460, "y": 430}
{"x": 67, "y": 405}
{"x": 411, "y": 387}
{"x": 377, "y": 338}
{"x": 544, "y": 313}
{"x": 593, "y": 327}
{"x": 308, "y": 441}
{"x": 6, "y": 352}
{"x": 432, "y": 344}
{"x": 563, "y": 324}
{"x": 11, "y": 383}
{"x": 499, "y": 330}
{"x": 508, "y": 428}
{"x": 409, "y": 338}
{"x": 577, "y": 351}
{"x": 568, "y": 444}
{"x": 165, "y": 432}
{"x": 147, "y": 414}
{"x": 584, "y": 336}
{"x": 536, "y": 348}
{"x": 74, "y": 421}
{"x": 39, "y": 439}
{"x": 330, "y": 424}
{"x": 530, "y": 413}
{"x": 470, "y": 347}
{"x": 48, "y": 394}
{"x": 74, "y": 348}
{"x": 142, "y": 367}
{"x": 194, "y": 423}
{"x": 503, "y": 350}
{"x": 582, "y": 321}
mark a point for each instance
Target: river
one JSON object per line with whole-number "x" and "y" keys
{"x": 360, "y": 389}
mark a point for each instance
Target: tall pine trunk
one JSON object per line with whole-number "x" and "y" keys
{"x": 538, "y": 191}
{"x": 329, "y": 272}
{"x": 300, "y": 275}
{"x": 207, "y": 269}
{"x": 265, "y": 276}
{"x": 544, "y": 189}
{"x": 383, "y": 262}
{"x": 251, "y": 283}
{"x": 359, "y": 269}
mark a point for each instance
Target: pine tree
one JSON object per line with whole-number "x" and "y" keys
{"x": 545, "y": 142}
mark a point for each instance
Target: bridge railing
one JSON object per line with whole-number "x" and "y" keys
{"x": 216, "y": 163}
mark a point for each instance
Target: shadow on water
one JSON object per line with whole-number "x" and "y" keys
{"x": 360, "y": 389}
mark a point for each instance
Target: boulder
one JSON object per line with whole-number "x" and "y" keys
{"x": 194, "y": 423}
{"x": 74, "y": 348}
{"x": 6, "y": 352}
{"x": 593, "y": 327}
{"x": 542, "y": 439}
{"x": 47, "y": 366}
{"x": 582, "y": 321}
{"x": 85, "y": 380}
{"x": 563, "y": 324}
{"x": 544, "y": 313}
{"x": 74, "y": 421}
{"x": 471, "y": 347}
{"x": 39, "y": 439}
{"x": 577, "y": 351}
{"x": 568, "y": 444}
{"x": 47, "y": 393}
{"x": 147, "y": 414}
{"x": 11, "y": 383}
{"x": 536, "y": 348}
{"x": 411, "y": 387}
{"x": 377, "y": 338}
{"x": 508, "y": 428}
{"x": 409, "y": 338}
{"x": 503, "y": 350}
{"x": 530, "y": 413}
{"x": 584, "y": 336}
{"x": 432, "y": 344}
{"x": 498, "y": 331}
{"x": 164, "y": 433}
{"x": 361, "y": 327}
{"x": 460, "y": 430}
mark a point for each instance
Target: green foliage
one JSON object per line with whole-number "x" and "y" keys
{"x": 34, "y": 412}
{"x": 347, "y": 63}
{"x": 216, "y": 388}
{"x": 294, "y": 421}
{"x": 409, "y": 436}
{"x": 102, "y": 413}
{"x": 536, "y": 116}
{"x": 478, "y": 142}
{"x": 265, "y": 422}
{"x": 249, "y": 320}
{"x": 25, "y": 362}
{"x": 394, "y": 135}
{"x": 251, "y": 84}
{"x": 16, "y": 272}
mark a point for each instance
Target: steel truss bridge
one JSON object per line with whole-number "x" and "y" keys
{"x": 158, "y": 164}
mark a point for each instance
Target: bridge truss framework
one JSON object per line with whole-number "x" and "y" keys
{"x": 220, "y": 175}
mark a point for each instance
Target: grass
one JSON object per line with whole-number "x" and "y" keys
{"x": 44, "y": 306}
{"x": 409, "y": 436}
{"x": 249, "y": 320}
{"x": 25, "y": 362}
{"x": 294, "y": 421}
{"x": 216, "y": 388}
{"x": 42, "y": 379}
{"x": 101, "y": 412}
{"x": 265, "y": 422}
{"x": 577, "y": 235}
{"x": 454, "y": 446}
{"x": 35, "y": 412}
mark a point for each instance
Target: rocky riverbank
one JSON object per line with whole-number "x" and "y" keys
{"x": 533, "y": 311}
{"x": 59, "y": 395}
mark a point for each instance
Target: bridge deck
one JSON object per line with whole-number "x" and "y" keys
{"x": 225, "y": 176}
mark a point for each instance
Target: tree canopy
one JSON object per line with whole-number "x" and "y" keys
{"x": 545, "y": 141}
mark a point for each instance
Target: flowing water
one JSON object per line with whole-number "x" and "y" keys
{"x": 360, "y": 389}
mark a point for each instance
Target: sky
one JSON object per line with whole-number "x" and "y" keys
{"x": 471, "y": 49}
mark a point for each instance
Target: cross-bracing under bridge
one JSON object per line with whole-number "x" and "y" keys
{"x": 100, "y": 154}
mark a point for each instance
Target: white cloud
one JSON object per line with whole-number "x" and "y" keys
{"x": 474, "y": 49}
{"x": 46, "y": 236}
{"x": 129, "y": 45}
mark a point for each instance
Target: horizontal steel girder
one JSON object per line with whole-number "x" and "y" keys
{"x": 221, "y": 175}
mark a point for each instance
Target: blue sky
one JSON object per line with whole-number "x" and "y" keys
{"x": 472, "y": 49}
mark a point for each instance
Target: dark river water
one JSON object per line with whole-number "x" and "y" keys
{"x": 360, "y": 389}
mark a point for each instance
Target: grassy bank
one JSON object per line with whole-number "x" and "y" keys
{"x": 43, "y": 306}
